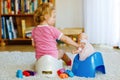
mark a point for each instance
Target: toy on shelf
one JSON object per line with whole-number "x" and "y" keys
{"x": 88, "y": 67}
{"x": 19, "y": 74}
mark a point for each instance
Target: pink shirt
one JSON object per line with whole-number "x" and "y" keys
{"x": 44, "y": 38}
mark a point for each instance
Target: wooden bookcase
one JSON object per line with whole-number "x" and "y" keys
{"x": 18, "y": 16}
{"x": 0, "y": 21}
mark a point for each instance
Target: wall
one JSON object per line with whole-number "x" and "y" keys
{"x": 69, "y": 13}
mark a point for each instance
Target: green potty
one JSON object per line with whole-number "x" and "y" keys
{"x": 88, "y": 67}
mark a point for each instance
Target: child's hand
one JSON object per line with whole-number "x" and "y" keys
{"x": 74, "y": 51}
{"x": 77, "y": 51}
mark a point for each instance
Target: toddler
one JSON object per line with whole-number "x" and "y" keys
{"x": 85, "y": 49}
{"x": 44, "y": 35}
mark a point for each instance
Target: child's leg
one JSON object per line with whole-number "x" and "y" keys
{"x": 62, "y": 55}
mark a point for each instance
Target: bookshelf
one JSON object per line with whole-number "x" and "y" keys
{"x": 15, "y": 17}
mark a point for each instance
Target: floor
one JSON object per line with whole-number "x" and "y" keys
{"x": 25, "y": 48}
{"x": 29, "y": 48}
{"x": 68, "y": 48}
{"x": 8, "y": 68}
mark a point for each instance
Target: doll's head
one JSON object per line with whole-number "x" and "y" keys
{"x": 82, "y": 36}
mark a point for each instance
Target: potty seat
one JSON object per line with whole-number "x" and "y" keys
{"x": 48, "y": 66}
{"x": 88, "y": 67}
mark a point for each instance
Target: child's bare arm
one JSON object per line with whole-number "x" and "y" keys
{"x": 33, "y": 43}
{"x": 68, "y": 40}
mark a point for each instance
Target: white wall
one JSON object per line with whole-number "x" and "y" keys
{"x": 69, "y": 13}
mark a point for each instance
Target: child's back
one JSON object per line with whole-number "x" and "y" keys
{"x": 45, "y": 40}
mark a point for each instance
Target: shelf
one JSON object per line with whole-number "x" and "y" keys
{"x": 18, "y": 39}
{"x": 16, "y": 20}
{"x": 72, "y": 31}
{"x": 17, "y": 15}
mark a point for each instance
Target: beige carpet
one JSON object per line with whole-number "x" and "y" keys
{"x": 10, "y": 62}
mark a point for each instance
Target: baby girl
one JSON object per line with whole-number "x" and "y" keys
{"x": 86, "y": 48}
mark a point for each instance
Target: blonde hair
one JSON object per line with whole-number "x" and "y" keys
{"x": 41, "y": 11}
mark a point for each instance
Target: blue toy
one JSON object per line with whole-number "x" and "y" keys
{"x": 19, "y": 74}
{"x": 88, "y": 67}
{"x": 69, "y": 73}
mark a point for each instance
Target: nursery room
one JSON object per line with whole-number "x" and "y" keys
{"x": 59, "y": 39}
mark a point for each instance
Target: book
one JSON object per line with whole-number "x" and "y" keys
{"x": 1, "y": 6}
{"x": 12, "y": 28}
{"x": 22, "y": 6}
{"x": 5, "y": 7}
{"x": 3, "y": 28}
{"x": 12, "y": 6}
{"x": 10, "y": 37}
{"x": 23, "y": 28}
{"x": 35, "y": 4}
{"x": 9, "y": 6}
{"x": 28, "y": 6}
{"x": 16, "y": 7}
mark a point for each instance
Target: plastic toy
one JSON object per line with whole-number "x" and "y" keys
{"x": 88, "y": 67}
{"x": 25, "y": 73}
{"x": 60, "y": 71}
{"x": 63, "y": 75}
{"x": 48, "y": 66}
{"x": 19, "y": 74}
{"x": 29, "y": 73}
{"x": 69, "y": 73}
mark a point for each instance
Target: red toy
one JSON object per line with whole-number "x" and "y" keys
{"x": 28, "y": 73}
{"x": 60, "y": 71}
{"x": 25, "y": 73}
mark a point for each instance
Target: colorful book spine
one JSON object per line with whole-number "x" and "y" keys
{"x": 9, "y": 6}
{"x": 23, "y": 28}
{"x": 22, "y": 7}
{"x": 12, "y": 6}
{"x": 3, "y": 28}
{"x": 12, "y": 28}
{"x": 28, "y": 6}
{"x": 16, "y": 7}
{"x": 10, "y": 37}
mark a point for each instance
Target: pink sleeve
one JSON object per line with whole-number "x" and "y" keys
{"x": 56, "y": 33}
